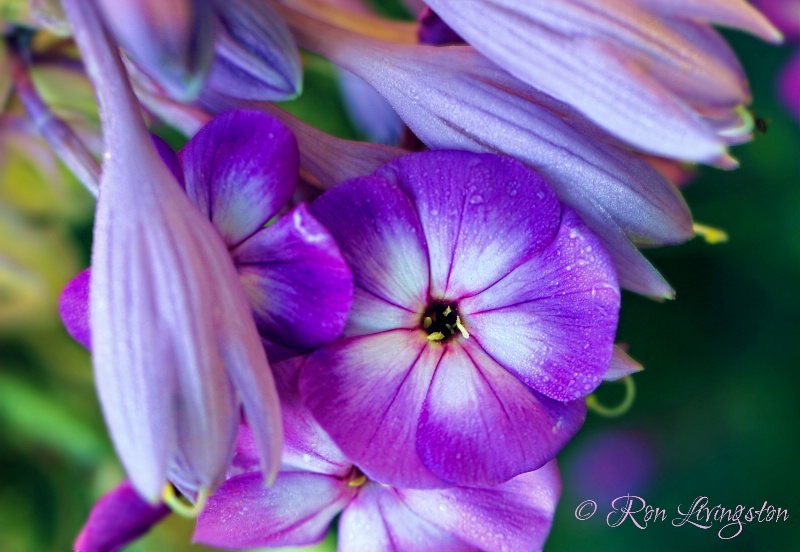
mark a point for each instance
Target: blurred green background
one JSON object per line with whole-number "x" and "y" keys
{"x": 716, "y": 412}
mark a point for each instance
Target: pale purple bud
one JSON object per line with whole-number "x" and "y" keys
{"x": 632, "y": 71}
{"x": 175, "y": 348}
{"x": 256, "y": 58}
{"x": 172, "y": 41}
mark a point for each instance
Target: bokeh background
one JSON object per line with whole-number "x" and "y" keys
{"x": 716, "y": 412}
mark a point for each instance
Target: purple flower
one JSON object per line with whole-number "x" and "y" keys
{"x": 318, "y": 482}
{"x": 648, "y": 70}
{"x": 237, "y": 47}
{"x": 176, "y": 352}
{"x": 785, "y": 14}
{"x": 454, "y": 98}
{"x": 255, "y": 56}
{"x": 240, "y": 170}
{"x": 434, "y": 31}
{"x": 170, "y": 41}
{"x": 789, "y": 85}
{"x": 483, "y": 311}
{"x": 118, "y": 519}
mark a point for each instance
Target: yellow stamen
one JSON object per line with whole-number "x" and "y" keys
{"x": 426, "y": 323}
{"x": 593, "y": 404}
{"x": 436, "y": 336}
{"x": 461, "y": 328}
{"x": 447, "y": 311}
{"x": 358, "y": 481}
{"x": 710, "y": 234}
{"x": 181, "y": 506}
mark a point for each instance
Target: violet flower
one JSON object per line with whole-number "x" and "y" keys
{"x": 255, "y": 56}
{"x": 175, "y": 350}
{"x": 169, "y": 40}
{"x": 649, "y": 70}
{"x": 785, "y": 14}
{"x": 240, "y": 47}
{"x": 453, "y": 98}
{"x": 240, "y": 170}
{"x": 318, "y": 482}
{"x": 117, "y": 519}
{"x": 483, "y": 311}
{"x": 789, "y": 85}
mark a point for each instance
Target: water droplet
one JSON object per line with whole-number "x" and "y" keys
{"x": 477, "y": 199}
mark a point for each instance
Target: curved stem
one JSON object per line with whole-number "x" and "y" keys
{"x": 182, "y": 507}
{"x": 593, "y": 404}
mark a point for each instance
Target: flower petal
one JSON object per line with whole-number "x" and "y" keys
{"x": 73, "y": 306}
{"x": 621, "y": 365}
{"x": 453, "y": 98}
{"x": 117, "y": 519}
{"x": 434, "y": 31}
{"x": 296, "y": 280}
{"x": 789, "y": 86}
{"x": 240, "y": 169}
{"x": 482, "y": 215}
{"x": 168, "y": 41}
{"x": 633, "y": 269}
{"x": 513, "y": 516}
{"x": 296, "y": 510}
{"x": 481, "y": 426}
{"x": 367, "y": 393}
{"x": 616, "y": 193}
{"x": 368, "y": 111}
{"x": 248, "y": 369}
{"x": 256, "y": 57}
{"x": 613, "y": 90}
{"x": 327, "y": 159}
{"x": 380, "y": 236}
{"x": 559, "y": 310}
{"x": 170, "y": 159}
{"x": 171, "y": 328}
{"x": 306, "y": 445}
{"x": 737, "y": 14}
{"x": 378, "y": 521}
